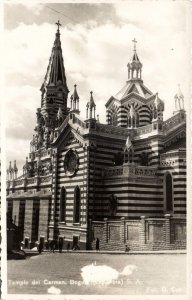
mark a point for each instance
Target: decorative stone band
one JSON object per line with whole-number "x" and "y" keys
{"x": 130, "y": 170}
{"x": 171, "y": 158}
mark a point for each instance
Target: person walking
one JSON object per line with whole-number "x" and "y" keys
{"x": 52, "y": 245}
{"x": 40, "y": 247}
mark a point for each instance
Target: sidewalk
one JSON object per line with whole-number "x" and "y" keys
{"x": 33, "y": 252}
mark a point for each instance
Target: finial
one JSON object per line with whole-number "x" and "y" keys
{"x": 91, "y": 93}
{"x": 75, "y": 86}
{"x": 134, "y": 41}
{"x": 58, "y": 24}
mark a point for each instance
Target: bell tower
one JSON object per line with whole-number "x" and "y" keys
{"x": 54, "y": 90}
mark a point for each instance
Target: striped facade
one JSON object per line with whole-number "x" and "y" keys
{"x": 123, "y": 182}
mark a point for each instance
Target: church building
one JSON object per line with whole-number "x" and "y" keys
{"x": 122, "y": 183}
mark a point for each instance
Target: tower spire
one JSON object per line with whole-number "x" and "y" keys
{"x": 54, "y": 88}
{"x": 134, "y": 66}
{"x": 75, "y": 100}
{"x": 91, "y": 107}
{"x": 179, "y": 99}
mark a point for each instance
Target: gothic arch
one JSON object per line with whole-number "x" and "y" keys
{"x": 62, "y": 204}
{"x": 77, "y": 204}
{"x": 168, "y": 192}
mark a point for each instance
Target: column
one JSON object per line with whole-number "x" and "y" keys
{"x": 142, "y": 231}
{"x": 167, "y": 230}
{"x": 122, "y": 230}
{"x": 28, "y": 218}
{"x": 105, "y": 231}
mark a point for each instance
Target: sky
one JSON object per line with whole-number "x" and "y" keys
{"x": 97, "y": 45}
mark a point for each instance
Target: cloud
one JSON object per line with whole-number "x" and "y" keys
{"x": 31, "y": 6}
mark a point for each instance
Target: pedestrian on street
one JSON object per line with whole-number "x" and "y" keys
{"x": 52, "y": 245}
{"x": 127, "y": 248}
{"x": 97, "y": 244}
{"x": 40, "y": 248}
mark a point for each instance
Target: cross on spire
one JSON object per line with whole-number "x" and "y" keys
{"x": 134, "y": 41}
{"x": 58, "y": 24}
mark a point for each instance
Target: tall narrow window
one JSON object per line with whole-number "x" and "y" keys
{"x": 77, "y": 202}
{"x": 62, "y": 204}
{"x": 114, "y": 119}
{"x": 169, "y": 192}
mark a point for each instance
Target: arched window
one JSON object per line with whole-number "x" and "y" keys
{"x": 77, "y": 206}
{"x": 62, "y": 204}
{"x": 126, "y": 156}
{"x": 137, "y": 120}
{"x": 168, "y": 192}
{"x": 114, "y": 119}
{"x": 130, "y": 155}
{"x": 128, "y": 121}
{"x": 118, "y": 159}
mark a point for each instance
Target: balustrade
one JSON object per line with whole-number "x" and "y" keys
{"x": 173, "y": 121}
{"x": 38, "y": 180}
{"x": 130, "y": 170}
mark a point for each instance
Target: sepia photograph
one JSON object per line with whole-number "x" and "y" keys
{"x": 97, "y": 103}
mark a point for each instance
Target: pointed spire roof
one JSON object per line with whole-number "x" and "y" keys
{"x": 179, "y": 99}
{"x": 75, "y": 95}
{"x": 55, "y": 71}
{"x": 135, "y": 57}
{"x": 15, "y": 166}
{"x": 134, "y": 66}
{"x": 10, "y": 167}
{"x": 179, "y": 94}
{"x": 91, "y": 101}
{"x": 156, "y": 101}
{"x": 135, "y": 62}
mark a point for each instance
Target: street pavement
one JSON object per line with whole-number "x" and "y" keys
{"x": 83, "y": 273}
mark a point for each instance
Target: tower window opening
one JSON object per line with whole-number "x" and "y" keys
{"x": 62, "y": 204}
{"x": 168, "y": 192}
{"x": 114, "y": 119}
{"x": 77, "y": 201}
